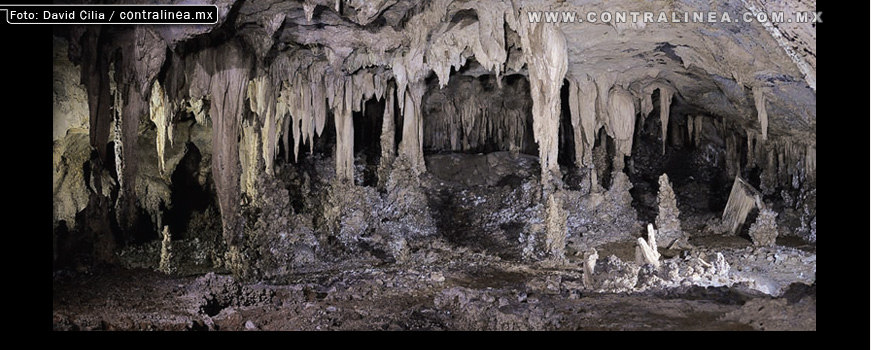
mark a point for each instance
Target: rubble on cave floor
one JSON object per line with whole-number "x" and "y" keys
{"x": 471, "y": 275}
{"x": 446, "y": 287}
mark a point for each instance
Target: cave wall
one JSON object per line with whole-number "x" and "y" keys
{"x": 271, "y": 76}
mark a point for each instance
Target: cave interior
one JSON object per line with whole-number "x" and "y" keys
{"x": 438, "y": 165}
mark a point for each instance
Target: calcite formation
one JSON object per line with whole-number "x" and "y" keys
{"x": 667, "y": 220}
{"x": 764, "y": 229}
{"x": 331, "y": 100}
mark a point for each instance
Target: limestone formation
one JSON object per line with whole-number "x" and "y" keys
{"x": 351, "y": 149}
{"x": 646, "y": 251}
{"x": 764, "y": 230}
{"x": 668, "y": 220}
{"x": 742, "y": 199}
{"x": 165, "y": 265}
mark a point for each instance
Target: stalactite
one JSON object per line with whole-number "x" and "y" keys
{"x": 582, "y": 104}
{"x": 95, "y": 77}
{"x": 196, "y": 106}
{"x": 544, "y": 49}
{"x": 761, "y": 112}
{"x": 621, "y": 110}
{"x": 226, "y": 81}
{"x": 467, "y": 115}
{"x": 263, "y": 101}
{"x": 697, "y": 138}
{"x": 118, "y": 124}
{"x": 161, "y": 115}
{"x": 665, "y": 95}
{"x": 483, "y": 37}
{"x": 733, "y": 156}
{"x": 690, "y": 126}
{"x": 547, "y": 58}
{"x": 249, "y": 156}
{"x": 811, "y": 163}
{"x": 768, "y": 178}
{"x": 411, "y": 146}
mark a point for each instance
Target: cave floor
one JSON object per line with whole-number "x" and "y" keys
{"x": 441, "y": 288}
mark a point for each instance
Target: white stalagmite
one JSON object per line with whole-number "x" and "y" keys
{"x": 697, "y": 137}
{"x": 590, "y": 267}
{"x": 742, "y": 199}
{"x": 161, "y": 116}
{"x": 645, "y": 251}
{"x": 761, "y": 112}
{"x": 763, "y": 232}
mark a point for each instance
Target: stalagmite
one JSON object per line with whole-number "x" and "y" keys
{"x": 742, "y": 199}
{"x": 165, "y": 252}
{"x": 645, "y": 251}
{"x": 388, "y": 128}
{"x": 590, "y": 267}
{"x": 762, "y": 113}
{"x": 764, "y": 230}
{"x": 667, "y": 221}
{"x": 555, "y": 241}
